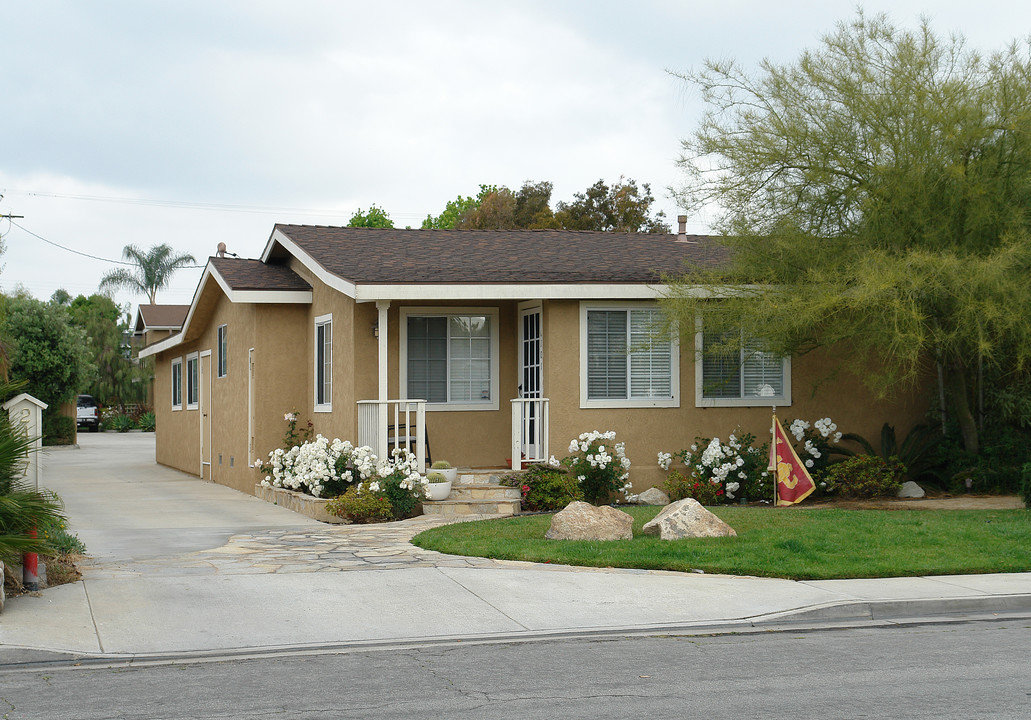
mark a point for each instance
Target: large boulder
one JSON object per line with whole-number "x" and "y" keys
{"x": 687, "y": 519}
{"x": 910, "y": 489}
{"x": 653, "y": 496}
{"x": 583, "y": 521}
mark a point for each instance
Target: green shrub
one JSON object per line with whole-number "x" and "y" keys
{"x": 361, "y": 505}
{"x": 63, "y": 542}
{"x": 403, "y": 500}
{"x": 865, "y": 476}
{"x": 545, "y": 488}
{"x": 58, "y": 429}
{"x": 1025, "y": 485}
{"x": 122, "y": 423}
{"x": 148, "y": 422}
{"x": 706, "y": 492}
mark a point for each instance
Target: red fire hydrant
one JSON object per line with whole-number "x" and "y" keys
{"x": 30, "y": 568}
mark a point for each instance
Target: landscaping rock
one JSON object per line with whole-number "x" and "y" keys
{"x": 653, "y": 496}
{"x": 910, "y": 489}
{"x": 583, "y": 521}
{"x": 685, "y": 519}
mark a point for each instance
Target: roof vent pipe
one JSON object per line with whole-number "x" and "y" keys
{"x": 682, "y": 233}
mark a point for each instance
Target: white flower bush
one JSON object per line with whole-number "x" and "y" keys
{"x": 600, "y": 465}
{"x": 716, "y": 472}
{"x": 313, "y": 465}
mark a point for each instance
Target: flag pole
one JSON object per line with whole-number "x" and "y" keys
{"x": 773, "y": 453}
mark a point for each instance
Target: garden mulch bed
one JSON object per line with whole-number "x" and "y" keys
{"x": 940, "y": 502}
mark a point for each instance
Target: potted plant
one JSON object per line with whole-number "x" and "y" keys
{"x": 438, "y": 487}
{"x": 444, "y": 468}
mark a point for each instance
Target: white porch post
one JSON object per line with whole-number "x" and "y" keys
{"x": 382, "y": 306}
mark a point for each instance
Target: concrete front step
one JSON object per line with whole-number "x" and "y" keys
{"x": 484, "y": 492}
{"x": 486, "y": 476}
{"x": 450, "y": 508}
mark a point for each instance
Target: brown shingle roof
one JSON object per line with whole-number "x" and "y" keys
{"x": 161, "y": 316}
{"x": 243, "y": 274}
{"x": 374, "y": 255}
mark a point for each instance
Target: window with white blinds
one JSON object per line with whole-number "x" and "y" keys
{"x": 324, "y": 363}
{"x": 451, "y": 359}
{"x": 746, "y": 376}
{"x": 627, "y": 362}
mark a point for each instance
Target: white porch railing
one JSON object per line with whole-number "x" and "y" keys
{"x": 386, "y": 424}
{"x": 529, "y": 431}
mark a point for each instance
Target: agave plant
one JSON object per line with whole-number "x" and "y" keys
{"x": 915, "y": 452}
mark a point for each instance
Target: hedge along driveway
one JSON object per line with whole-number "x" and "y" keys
{"x": 792, "y": 543}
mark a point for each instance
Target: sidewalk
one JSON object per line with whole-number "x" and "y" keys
{"x": 269, "y": 579}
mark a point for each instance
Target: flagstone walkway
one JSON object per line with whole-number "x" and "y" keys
{"x": 333, "y": 548}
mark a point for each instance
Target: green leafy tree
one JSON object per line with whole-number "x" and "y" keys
{"x": 533, "y": 206}
{"x": 46, "y": 352}
{"x": 494, "y": 210}
{"x": 118, "y": 380}
{"x": 448, "y": 219}
{"x": 874, "y": 197}
{"x": 623, "y": 207}
{"x": 153, "y": 270}
{"x": 376, "y": 217}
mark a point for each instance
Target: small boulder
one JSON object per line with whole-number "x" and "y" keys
{"x": 686, "y": 519}
{"x": 583, "y": 521}
{"x": 653, "y": 496}
{"x": 910, "y": 489}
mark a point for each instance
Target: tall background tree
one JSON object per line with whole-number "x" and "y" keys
{"x": 118, "y": 379}
{"x": 876, "y": 200}
{"x": 376, "y": 217}
{"x": 621, "y": 207}
{"x": 153, "y": 270}
{"x": 48, "y": 354}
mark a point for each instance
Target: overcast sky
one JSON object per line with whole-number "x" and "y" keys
{"x": 194, "y": 122}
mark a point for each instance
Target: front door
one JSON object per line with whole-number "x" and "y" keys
{"x": 530, "y": 359}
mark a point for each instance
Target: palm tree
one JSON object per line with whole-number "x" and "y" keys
{"x": 154, "y": 270}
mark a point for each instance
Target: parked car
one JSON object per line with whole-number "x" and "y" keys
{"x": 87, "y": 413}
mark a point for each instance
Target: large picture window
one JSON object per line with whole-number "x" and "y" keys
{"x": 177, "y": 384}
{"x": 192, "y": 382}
{"x": 746, "y": 376}
{"x": 625, "y": 361}
{"x": 451, "y": 358}
{"x": 324, "y": 363}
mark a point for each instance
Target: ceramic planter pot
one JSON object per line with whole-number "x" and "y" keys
{"x": 439, "y": 491}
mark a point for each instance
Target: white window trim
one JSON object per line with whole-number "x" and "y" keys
{"x": 699, "y": 383}
{"x": 187, "y": 379}
{"x": 221, "y": 338}
{"x": 493, "y": 313}
{"x": 674, "y": 381}
{"x": 177, "y": 362}
{"x": 317, "y": 406}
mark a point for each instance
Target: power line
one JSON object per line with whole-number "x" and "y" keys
{"x": 78, "y": 252}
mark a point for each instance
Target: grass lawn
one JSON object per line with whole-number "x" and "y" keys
{"x": 795, "y": 543}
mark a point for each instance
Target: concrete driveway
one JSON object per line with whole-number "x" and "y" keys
{"x": 184, "y": 567}
{"x": 126, "y": 507}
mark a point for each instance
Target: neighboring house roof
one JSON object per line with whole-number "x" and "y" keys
{"x": 241, "y": 275}
{"x": 569, "y": 257}
{"x": 159, "y": 317}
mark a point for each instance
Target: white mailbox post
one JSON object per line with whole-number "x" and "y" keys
{"x": 27, "y": 411}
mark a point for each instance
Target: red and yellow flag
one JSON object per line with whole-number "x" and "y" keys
{"x": 793, "y": 484}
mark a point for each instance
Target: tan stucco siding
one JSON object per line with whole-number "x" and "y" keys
{"x": 646, "y": 431}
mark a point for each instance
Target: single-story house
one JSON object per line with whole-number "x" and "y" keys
{"x": 153, "y": 323}
{"x": 493, "y": 346}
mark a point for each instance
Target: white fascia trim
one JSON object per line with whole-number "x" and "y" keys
{"x": 485, "y": 292}
{"x": 334, "y": 281}
{"x": 169, "y": 342}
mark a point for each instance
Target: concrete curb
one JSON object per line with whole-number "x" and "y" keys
{"x": 894, "y": 609}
